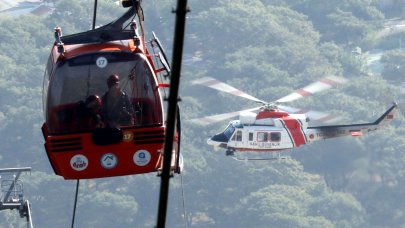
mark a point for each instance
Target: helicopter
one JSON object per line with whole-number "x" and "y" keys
{"x": 79, "y": 141}
{"x": 273, "y": 127}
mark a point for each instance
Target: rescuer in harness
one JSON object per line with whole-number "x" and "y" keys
{"x": 117, "y": 109}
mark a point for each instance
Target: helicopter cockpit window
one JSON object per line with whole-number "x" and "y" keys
{"x": 229, "y": 131}
{"x": 81, "y": 97}
{"x": 237, "y": 136}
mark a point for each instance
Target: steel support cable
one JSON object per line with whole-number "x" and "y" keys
{"x": 29, "y": 217}
{"x": 94, "y": 14}
{"x": 74, "y": 207}
{"x": 172, "y": 110}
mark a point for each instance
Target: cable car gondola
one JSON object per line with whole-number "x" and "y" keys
{"x": 102, "y": 99}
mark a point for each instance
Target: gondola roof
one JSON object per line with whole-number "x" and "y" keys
{"x": 110, "y": 32}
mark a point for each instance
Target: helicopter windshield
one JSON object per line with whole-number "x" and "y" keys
{"x": 82, "y": 94}
{"x": 229, "y": 131}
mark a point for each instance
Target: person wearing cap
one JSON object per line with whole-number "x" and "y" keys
{"x": 89, "y": 116}
{"x": 117, "y": 109}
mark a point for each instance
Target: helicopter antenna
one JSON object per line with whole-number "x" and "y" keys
{"x": 172, "y": 112}
{"x": 94, "y": 14}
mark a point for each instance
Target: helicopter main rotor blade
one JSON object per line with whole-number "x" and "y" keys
{"x": 321, "y": 85}
{"x": 220, "y": 117}
{"x": 222, "y": 86}
{"x": 311, "y": 114}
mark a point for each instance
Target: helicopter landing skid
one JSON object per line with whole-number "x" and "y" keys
{"x": 231, "y": 153}
{"x": 258, "y": 159}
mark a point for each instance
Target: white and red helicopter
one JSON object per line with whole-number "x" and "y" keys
{"x": 277, "y": 127}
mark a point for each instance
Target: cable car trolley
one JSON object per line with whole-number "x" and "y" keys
{"x": 102, "y": 99}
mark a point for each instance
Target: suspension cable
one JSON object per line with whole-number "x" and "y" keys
{"x": 94, "y": 14}
{"x": 74, "y": 207}
{"x": 172, "y": 110}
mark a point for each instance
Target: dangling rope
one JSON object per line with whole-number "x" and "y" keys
{"x": 74, "y": 207}
{"x": 184, "y": 201}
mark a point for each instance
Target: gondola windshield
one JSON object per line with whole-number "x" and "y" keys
{"x": 86, "y": 94}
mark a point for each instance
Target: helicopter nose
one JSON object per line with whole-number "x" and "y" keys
{"x": 214, "y": 143}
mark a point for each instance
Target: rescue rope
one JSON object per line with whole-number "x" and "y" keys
{"x": 183, "y": 200}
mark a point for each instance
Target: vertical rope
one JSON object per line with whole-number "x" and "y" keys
{"x": 184, "y": 201}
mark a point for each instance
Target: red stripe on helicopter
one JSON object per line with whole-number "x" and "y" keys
{"x": 329, "y": 81}
{"x": 293, "y": 126}
{"x": 210, "y": 82}
{"x": 303, "y": 92}
{"x": 237, "y": 93}
{"x": 271, "y": 114}
{"x": 356, "y": 133}
{"x": 213, "y": 82}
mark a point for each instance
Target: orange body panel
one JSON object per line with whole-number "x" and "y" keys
{"x": 62, "y": 149}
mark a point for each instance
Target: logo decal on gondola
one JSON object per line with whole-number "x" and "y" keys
{"x": 141, "y": 157}
{"x": 127, "y": 136}
{"x": 109, "y": 161}
{"x": 101, "y": 62}
{"x": 79, "y": 162}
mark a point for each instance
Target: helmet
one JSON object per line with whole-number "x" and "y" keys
{"x": 93, "y": 98}
{"x": 112, "y": 80}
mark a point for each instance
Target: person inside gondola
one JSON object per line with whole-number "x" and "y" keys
{"x": 117, "y": 109}
{"x": 89, "y": 113}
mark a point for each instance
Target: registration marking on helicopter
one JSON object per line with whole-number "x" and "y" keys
{"x": 265, "y": 144}
{"x": 330, "y": 133}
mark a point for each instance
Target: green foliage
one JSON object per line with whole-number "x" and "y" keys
{"x": 301, "y": 203}
{"x": 394, "y": 66}
{"x": 347, "y": 21}
{"x": 392, "y": 9}
{"x": 391, "y": 42}
{"x": 124, "y": 207}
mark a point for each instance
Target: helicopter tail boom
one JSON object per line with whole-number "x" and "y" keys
{"x": 387, "y": 116}
{"x": 333, "y": 131}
